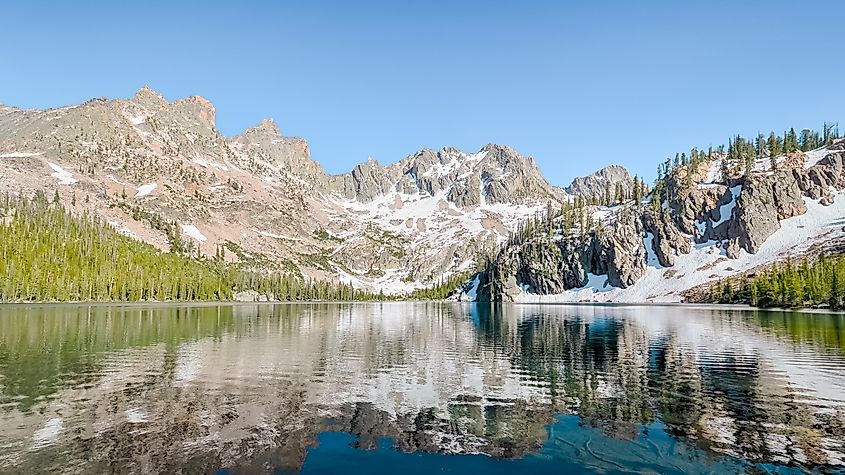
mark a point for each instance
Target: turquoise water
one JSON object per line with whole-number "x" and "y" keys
{"x": 419, "y": 388}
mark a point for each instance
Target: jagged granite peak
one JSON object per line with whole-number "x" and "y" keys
{"x": 520, "y": 181}
{"x": 263, "y": 131}
{"x": 264, "y": 147}
{"x": 494, "y": 174}
{"x": 364, "y": 183}
{"x": 601, "y": 181}
{"x": 199, "y": 107}
{"x": 149, "y": 98}
{"x": 268, "y": 126}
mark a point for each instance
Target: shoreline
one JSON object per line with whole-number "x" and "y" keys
{"x": 234, "y": 303}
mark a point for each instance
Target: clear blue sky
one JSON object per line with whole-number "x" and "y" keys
{"x": 575, "y": 85}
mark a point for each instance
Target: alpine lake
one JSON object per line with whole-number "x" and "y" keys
{"x": 417, "y": 388}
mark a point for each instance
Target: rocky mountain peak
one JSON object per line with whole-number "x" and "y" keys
{"x": 600, "y": 181}
{"x": 494, "y": 147}
{"x": 199, "y": 107}
{"x": 267, "y": 144}
{"x": 268, "y": 126}
{"x": 509, "y": 159}
{"x": 265, "y": 130}
{"x": 148, "y": 98}
{"x": 452, "y": 153}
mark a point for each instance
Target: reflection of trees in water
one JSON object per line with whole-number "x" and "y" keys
{"x": 589, "y": 366}
{"x": 617, "y": 375}
{"x": 506, "y": 431}
{"x": 823, "y": 330}
{"x": 44, "y": 349}
{"x": 674, "y": 385}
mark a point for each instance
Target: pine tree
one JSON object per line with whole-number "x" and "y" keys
{"x": 637, "y": 190}
{"x": 790, "y": 141}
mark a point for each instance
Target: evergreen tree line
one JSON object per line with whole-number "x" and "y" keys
{"x": 573, "y": 217}
{"x": 741, "y": 154}
{"x": 441, "y": 289}
{"x": 49, "y": 254}
{"x": 808, "y": 284}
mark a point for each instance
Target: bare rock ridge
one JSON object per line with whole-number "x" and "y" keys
{"x": 496, "y": 174}
{"x": 601, "y": 181}
{"x": 704, "y": 229}
{"x": 145, "y": 164}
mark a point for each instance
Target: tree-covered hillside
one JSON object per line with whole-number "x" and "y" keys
{"x": 817, "y": 283}
{"x": 49, "y": 254}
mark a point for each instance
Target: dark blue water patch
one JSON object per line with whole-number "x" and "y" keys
{"x": 572, "y": 448}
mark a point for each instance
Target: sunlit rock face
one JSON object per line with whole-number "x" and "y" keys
{"x": 250, "y": 387}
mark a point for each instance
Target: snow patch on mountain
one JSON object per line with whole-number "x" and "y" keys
{"x": 191, "y": 231}
{"x": 454, "y": 162}
{"x": 122, "y": 229}
{"x": 714, "y": 175}
{"x": 432, "y": 214}
{"x": 65, "y": 177}
{"x": 726, "y": 209}
{"x": 652, "y": 260}
{"x": 391, "y": 283}
{"x": 472, "y": 291}
{"x": 209, "y": 164}
{"x": 432, "y": 227}
{"x": 20, "y": 154}
{"x": 814, "y": 156}
{"x": 145, "y": 190}
{"x": 434, "y": 222}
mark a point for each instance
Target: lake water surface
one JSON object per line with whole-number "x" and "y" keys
{"x": 419, "y": 388}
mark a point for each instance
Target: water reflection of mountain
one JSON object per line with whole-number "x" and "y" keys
{"x": 252, "y": 386}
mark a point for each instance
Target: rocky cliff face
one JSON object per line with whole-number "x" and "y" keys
{"x": 703, "y": 230}
{"x": 602, "y": 181}
{"x": 265, "y": 145}
{"x": 144, "y": 163}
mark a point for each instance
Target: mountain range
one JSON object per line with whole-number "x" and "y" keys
{"x": 146, "y": 165}
{"x": 162, "y": 173}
